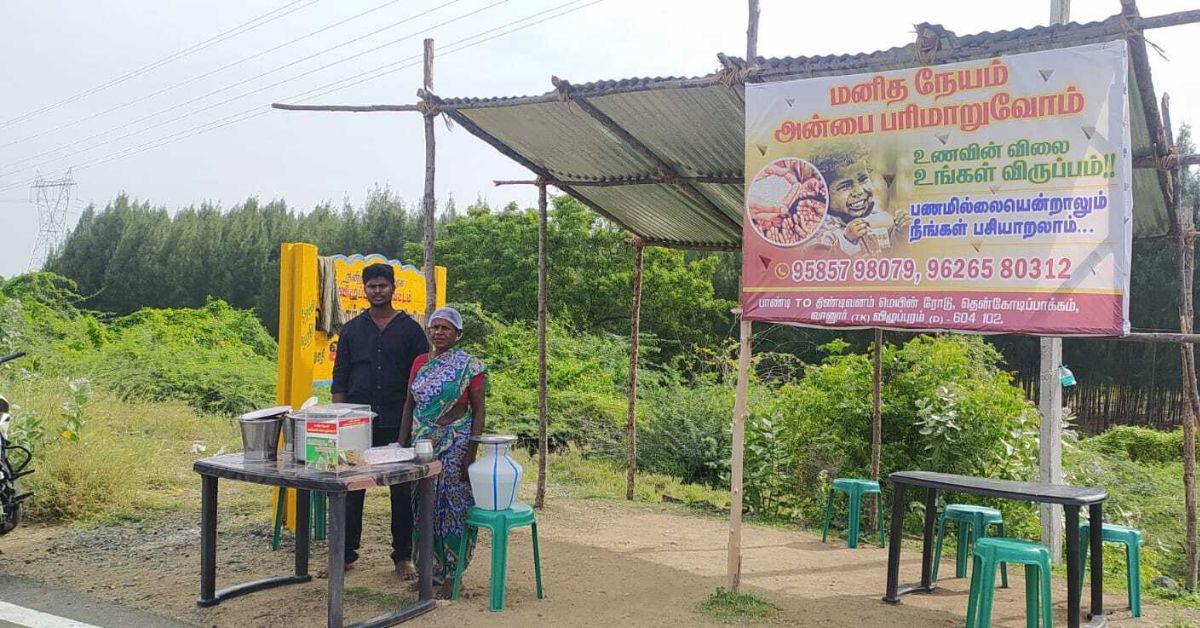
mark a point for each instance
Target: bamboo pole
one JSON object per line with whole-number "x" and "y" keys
{"x": 752, "y": 33}
{"x": 877, "y": 419}
{"x": 543, "y": 392}
{"x": 634, "y": 343}
{"x": 428, "y": 200}
{"x": 1140, "y": 62}
{"x": 635, "y": 180}
{"x": 1185, "y": 248}
{"x": 735, "y": 463}
{"x": 1162, "y": 337}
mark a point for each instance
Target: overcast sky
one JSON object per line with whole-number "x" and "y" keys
{"x": 58, "y": 50}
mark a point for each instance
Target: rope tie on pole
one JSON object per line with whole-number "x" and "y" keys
{"x": 927, "y": 44}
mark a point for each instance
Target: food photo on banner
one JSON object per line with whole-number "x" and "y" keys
{"x": 990, "y": 196}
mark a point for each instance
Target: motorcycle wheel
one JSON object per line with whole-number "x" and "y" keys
{"x": 10, "y": 520}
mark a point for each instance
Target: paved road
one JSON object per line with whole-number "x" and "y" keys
{"x": 28, "y": 604}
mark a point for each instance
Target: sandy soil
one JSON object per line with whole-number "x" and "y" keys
{"x": 604, "y": 564}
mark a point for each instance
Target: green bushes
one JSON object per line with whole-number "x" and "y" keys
{"x": 215, "y": 358}
{"x": 1139, "y": 444}
{"x": 684, "y": 431}
{"x": 946, "y": 407}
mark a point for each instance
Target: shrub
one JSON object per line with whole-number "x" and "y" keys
{"x": 1139, "y": 444}
{"x": 684, "y": 431}
{"x": 946, "y": 407}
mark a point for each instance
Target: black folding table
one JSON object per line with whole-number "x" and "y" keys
{"x": 1071, "y": 498}
{"x": 336, "y": 485}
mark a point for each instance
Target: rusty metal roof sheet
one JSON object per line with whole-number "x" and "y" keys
{"x": 672, "y": 129}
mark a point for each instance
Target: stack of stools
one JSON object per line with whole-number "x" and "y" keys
{"x": 1036, "y": 558}
{"x": 972, "y": 523}
{"x": 854, "y": 489}
{"x": 1132, "y": 540}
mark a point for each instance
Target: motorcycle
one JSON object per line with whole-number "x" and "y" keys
{"x": 10, "y": 470}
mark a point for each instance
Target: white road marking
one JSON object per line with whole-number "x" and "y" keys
{"x": 37, "y": 619}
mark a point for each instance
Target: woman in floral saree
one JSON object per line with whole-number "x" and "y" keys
{"x": 446, "y": 405}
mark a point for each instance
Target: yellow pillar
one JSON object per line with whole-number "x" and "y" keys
{"x": 297, "y": 326}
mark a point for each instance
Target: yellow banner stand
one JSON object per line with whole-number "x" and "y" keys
{"x": 306, "y": 354}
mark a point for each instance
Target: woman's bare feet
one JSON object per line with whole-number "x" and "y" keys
{"x": 443, "y": 591}
{"x": 406, "y": 570}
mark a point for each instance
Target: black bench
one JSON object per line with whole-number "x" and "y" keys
{"x": 1071, "y": 498}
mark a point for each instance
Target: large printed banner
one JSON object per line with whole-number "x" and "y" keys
{"x": 988, "y": 196}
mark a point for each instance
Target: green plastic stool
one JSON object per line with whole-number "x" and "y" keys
{"x": 1035, "y": 557}
{"x": 854, "y": 490}
{"x": 972, "y": 523}
{"x": 1132, "y": 539}
{"x": 499, "y": 522}
{"x": 316, "y": 509}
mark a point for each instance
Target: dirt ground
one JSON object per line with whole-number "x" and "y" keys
{"x": 605, "y": 563}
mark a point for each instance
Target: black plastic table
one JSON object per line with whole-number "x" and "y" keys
{"x": 1071, "y": 498}
{"x": 336, "y": 485}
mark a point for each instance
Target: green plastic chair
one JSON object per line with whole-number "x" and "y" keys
{"x": 854, "y": 489}
{"x": 972, "y": 523}
{"x": 499, "y": 522}
{"x": 992, "y": 550}
{"x": 1132, "y": 539}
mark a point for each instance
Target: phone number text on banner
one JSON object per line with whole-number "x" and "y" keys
{"x": 988, "y": 196}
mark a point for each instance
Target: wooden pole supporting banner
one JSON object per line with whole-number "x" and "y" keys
{"x": 877, "y": 419}
{"x": 427, "y": 202}
{"x": 1185, "y": 250}
{"x": 735, "y": 463}
{"x": 752, "y": 33}
{"x": 543, "y": 392}
{"x": 639, "y": 259}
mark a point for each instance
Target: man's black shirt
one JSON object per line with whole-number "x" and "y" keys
{"x": 372, "y": 365}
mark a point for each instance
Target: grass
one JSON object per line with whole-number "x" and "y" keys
{"x": 381, "y": 599}
{"x": 130, "y": 461}
{"x": 733, "y": 607}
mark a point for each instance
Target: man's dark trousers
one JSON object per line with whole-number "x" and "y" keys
{"x": 402, "y": 511}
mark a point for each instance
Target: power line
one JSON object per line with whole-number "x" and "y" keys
{"x": 334, "y": 86}
{"x": 244, "y": 94}
{"x": 450, "y": 47}
{"x": 244, "y": 27}
{"x": 212, "y": 72}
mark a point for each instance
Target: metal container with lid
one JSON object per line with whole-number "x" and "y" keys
{"x": 260, "y": 433}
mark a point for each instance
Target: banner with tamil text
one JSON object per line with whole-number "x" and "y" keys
{"x": 989, "y": 196}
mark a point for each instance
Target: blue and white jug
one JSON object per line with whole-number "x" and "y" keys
{"x": 495, "y": 476}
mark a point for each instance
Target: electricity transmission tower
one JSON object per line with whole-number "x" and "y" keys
{"x": 53, "y": 199}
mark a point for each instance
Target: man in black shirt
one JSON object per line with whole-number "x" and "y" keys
{"x": 375, "y": 353}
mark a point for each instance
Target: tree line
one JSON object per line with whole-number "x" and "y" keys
{"x": 131, "y": 254}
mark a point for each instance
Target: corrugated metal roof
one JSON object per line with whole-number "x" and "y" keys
{"x": 695, "y": 127}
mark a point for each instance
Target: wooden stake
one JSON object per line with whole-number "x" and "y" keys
{"x": 428, "y": 200}
{"x": 735, "y": 464}
{"x": 752, "y": 33}
{"x": 634, "y": 343}
{"x": 1185, "y": 249}
{"x": 877, "y": 419}
{"x": 543, "y": 392}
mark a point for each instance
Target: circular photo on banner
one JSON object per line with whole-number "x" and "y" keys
{"x": 787, "y": 201}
